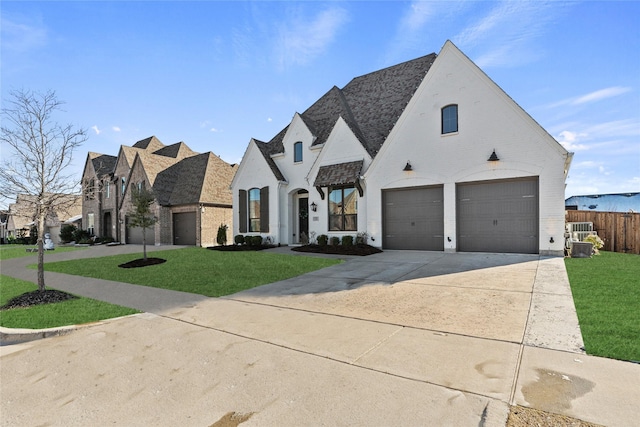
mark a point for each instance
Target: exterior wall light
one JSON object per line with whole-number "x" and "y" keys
{"x": 408, "y": 167}
{"x": 314, "y": 207}
{"x": 493, "y": 157}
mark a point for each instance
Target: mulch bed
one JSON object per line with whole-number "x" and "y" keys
{"x": 141, "y": 262}
{"x": 239, "y": 248}
{"x": 29, "y": 299}
{"x": 358, "y": 250}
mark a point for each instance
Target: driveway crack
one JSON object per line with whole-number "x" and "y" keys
{"x": 376, "y": 346}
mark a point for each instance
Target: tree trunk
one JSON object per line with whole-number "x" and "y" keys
{"x": 41, "y": 219}
{"x": 144, "y": 243}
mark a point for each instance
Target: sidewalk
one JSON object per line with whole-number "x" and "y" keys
{"x": 381, "y": 370}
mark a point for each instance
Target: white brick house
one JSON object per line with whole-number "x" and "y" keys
{"x": 429, "y": 154}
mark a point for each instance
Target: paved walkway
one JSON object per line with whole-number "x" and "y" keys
{"x": 410, "y": 338}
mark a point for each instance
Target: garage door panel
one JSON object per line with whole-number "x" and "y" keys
{"x": 413, "y": 219}
{"x": 184, "y": 228}
{"x": 498, "y": 216}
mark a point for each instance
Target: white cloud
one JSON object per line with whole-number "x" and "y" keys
{"x": 569, "y": 140}
{"x": 301, "y": 39}
{"x": 115, "y": 129}
{"x": 205, "y": 124}
{"x": 214, "y": 130}
{"x": 22, "y": 37}
{"x": 96, "y": 130}
{"x": 417, "y": 16}
{"x": 601, "y": 94}
{"x": 506, "y": 33}
{"x": 269, "y": 119}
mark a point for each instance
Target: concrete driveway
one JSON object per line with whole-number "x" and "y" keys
{"x": 398, "y": 338}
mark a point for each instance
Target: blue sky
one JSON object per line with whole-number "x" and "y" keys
{"x": 216, "y": 74}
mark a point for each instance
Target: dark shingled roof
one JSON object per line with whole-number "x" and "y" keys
{"x": 179, "y": 150}
{"x": 151, "y": 144}
{"x": 370, "y": 105}
{"x": 103, "y": 164}
{"x": 339, "y": 174}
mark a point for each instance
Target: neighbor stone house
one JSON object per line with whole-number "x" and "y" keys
{"x": 21, "y": 215}
{"x": 428, "y": 154}
{"x": 192, "y": 193}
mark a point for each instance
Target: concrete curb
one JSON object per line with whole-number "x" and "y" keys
{"x": 10, "y": 336}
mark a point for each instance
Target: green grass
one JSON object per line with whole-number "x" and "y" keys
{"x": 606, "y": 293}
{"x": 71, "y": 312}
{"x": 197, "y": 270}
{"x": 17, "y": 251}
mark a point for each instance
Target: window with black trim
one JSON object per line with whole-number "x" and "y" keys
{"x": 343, "y": 209}
{"x": 450, "y": 119}
{"x": 297, "y": 152}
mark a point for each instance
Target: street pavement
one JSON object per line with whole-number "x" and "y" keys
{"x": 398, "y": 338}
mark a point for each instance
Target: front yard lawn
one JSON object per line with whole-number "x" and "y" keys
{"x": 197, "y": 270}
{"x": 606, "y": 293}
{"x": 17, "y": 251}
{"x": 71, "y": 312}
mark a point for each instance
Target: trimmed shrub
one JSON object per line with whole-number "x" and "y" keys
{"x": 347, "y": 240}
{"x": 323, "y": 239}
{"x": 254, "y": 240}
{"x": 239, "y": 239}
{"x": 221, "y": 238}
{"x": 361, "y": 238}
{"x": 81, "y": 235}
{"x": 66, "y": 232}
{"x": 335, "y": 241}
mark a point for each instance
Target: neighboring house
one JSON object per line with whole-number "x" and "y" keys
{"x": 21, "y": 215}
{"x": 622, "y": 202}
{"x": 4, "y": 217}
{"x": 429, "y": 154}
{"x": 192, "y": 193}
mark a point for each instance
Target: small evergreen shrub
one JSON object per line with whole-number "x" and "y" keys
{"x": 221, "y": 238}
{"x": 255, "y": 240}
{"x": 347, "y": 240}
{"x": 335, "y": 241}
{"x": 33, "y": 235}
{"x": 239, "y": 239}
{"x": 81, "y": 235}
{"x": 66, "y": 232}
{"x": 323, "y": 239}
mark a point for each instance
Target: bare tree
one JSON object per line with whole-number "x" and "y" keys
{"x": 140, "y": 214}
{"x": 41, "y": 150}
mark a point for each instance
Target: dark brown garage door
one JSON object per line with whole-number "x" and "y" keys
{"x": 498, "y": 216}
{"x": 184, "y": 228}
{"x": 134, "y": 235}
{"x": 413, "y": 218}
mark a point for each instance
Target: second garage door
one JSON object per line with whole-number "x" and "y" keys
{"x": 413, "y": 218}
{"x": 498, "y": 216}
{"x": 184, "y": 228}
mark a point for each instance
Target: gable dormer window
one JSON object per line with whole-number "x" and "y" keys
{"x": 297, "y": 152}
{"x": 450, "y": 119}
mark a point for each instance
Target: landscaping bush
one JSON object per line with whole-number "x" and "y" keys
{"x": 347, "y": 240}
{"x": 323, "y": 239}
{"x": 596, "y": 242}
{"x": 221, "y": 238}
{"x": 33, "y": 236}
{"x": 362, "y": 238}
{"x": 81, "y": 235}
{"x": 239, "y": 239}
{"x": 66, "y": 232}
{"x": 254, "y": 240}
{"x": 335, "y": 241}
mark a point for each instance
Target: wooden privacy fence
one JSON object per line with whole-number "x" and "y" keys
{"x": 619, "y": 231}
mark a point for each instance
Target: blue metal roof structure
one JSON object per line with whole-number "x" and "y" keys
{"x": 622, "y": 202}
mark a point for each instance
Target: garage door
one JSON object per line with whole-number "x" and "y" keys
{"x": 498, "y": 216}
{"x": 413, "y": 219}
{"x": 184, "y": 228}
{"x": 134, "y": 235}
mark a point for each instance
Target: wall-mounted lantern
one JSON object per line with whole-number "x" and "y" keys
{"x": 314, "y": 207}
{"x": 407, "y": 167}
{"x": 493, "y": 157}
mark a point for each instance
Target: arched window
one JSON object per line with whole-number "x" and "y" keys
{"x": 254, "y": 209}
{"x": 450, "y": 119}
{"x": 297, "y": 152}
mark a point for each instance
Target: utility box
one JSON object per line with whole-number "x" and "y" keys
{"x": 581, "y": 249}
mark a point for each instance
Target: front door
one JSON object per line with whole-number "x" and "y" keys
{"x": 303, "y": 219}
{"x": 106, "y": 231}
